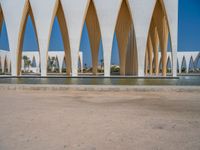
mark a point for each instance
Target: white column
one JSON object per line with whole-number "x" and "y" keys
{"x": 43, "y": 13}
{"x": 141, "y": 11}
{"x": 75, "y": 13}
{"x": 107, "y": 12}
{"x": 171, "y": 7}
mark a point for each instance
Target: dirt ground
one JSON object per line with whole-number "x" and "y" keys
{"x": 85, "y": 120}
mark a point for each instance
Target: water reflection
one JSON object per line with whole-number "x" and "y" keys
{"x": 183, "y": 80}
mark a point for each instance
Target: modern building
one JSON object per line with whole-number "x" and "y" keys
{"x": 142, "y": 27}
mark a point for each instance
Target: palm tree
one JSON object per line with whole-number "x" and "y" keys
{"x": 27, "y": 62}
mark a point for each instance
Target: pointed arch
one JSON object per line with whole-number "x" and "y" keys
{"x": 59, "y": 13}
{"x": 160, "y": 33}
{"x": 26, "y": 13}
{"x": 153, "y": 34}
{"x": 197, "y": 62}
{"x": 57, "y": 65}
{"x": 64, "y": 65}
{"x": 80, "y": 61}
{"x": 178, "y": 69}
{"x": 126, "y": 40}
{"x": 49, "y": 64}
{"x": 169, "y": 65}
{"x": 1, "y": 17}
{"x": 5, "y": 65}
{"x": 33, "y": 64}
{"x": 93, "y": 28}
{"x": 184, "y": 65}
{"x": 160, "y": 65}
{"x": 191, "y": 65}
{"x": 3, "y": 26}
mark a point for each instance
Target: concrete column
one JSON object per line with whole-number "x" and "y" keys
{"x": 122, "y": 32}
{"x": 65, "y": 37}
{"x": 131, "y": 55}
{"x": 12, "y": 13}
{"x": 155, "y": 44}
{"x": 187, "y": 63}
{"x": 43, "y": 57}
{"x": 60, "y": 60}
{"x": 164, "y": 47}
{"x": 146, "y": 62}
{"x": 14, "y": 66}
{"x": 180, "y": 66}
{"x": 44, "y": 13}
{"x": 171, "y": 7}
{"x": 107, "y": 12}
{"x": 150, "y": 52}
{"x": 94, "y": 34}
{"x": 163, "y": 36}
{"x": 2, "y": 63}
{"x": 81, "y": 60}
{"x": 162, "y": 26}
{"x": 9, "y": 66}
{"x": 75, "y": 12}
{"x": 141, "y": 12}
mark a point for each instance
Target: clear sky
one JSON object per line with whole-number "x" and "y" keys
{"x": 188, "y": 34}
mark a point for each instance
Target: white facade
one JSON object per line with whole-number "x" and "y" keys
{"x": 105, "y": 17}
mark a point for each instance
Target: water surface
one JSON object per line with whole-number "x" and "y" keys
{"x": 182, "y": 80}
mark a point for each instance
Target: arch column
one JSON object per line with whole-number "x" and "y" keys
{"x": 163, "y": 36}
{"x": 150, "y": 57}
{"x": 155, "y": 44}
{"x": 65, "y": 37}
{"x": 13, "y": 12}
{"x": 180, "y": 63}
{"x": 81, "y": 60}
{"x": 171, "y": 7}
{"x": 94, "y": 35}
{"x": 107, "y": 12}
{"x": 43, "y": 58}
{"x": 187, "y": 58}
{"x": 2, "y": 63}
{"x": 164, "y": 47}
{"x": 9, "y": 66}
{"x": 75, "y": 13}
{"x": 60, "y": 60}
{"x": 141, "y": 12}
{"x": 43, "y": 12}
{"x": 131, "y": 55}
{"x": 122, "y": 32}
{"x": 146, "y": 61}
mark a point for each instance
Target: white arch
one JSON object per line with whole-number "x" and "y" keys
{"x": 43, "y": 12}
{"x": 13, "y": 14}
{"x": 107, "y": 12}
{"x": 191, "y": 62}
{"x": 171, "y": 7}
{"x": 75, "y": 12}
{"x": 141, "y": 20}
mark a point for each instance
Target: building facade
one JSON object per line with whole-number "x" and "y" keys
{"x": 142, "y": 27}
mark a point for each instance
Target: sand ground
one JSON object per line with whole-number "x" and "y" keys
{"x": 92, "y": 120}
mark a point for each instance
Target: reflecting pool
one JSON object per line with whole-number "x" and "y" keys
{"x": 182, "y": 80}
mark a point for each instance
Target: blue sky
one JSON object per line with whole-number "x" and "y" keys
{"x": 189, "y": 34}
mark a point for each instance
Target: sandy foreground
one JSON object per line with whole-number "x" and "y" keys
{"x": 96, "y": 120}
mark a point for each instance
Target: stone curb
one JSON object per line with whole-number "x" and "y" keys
{"x": 99, "y": 88}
